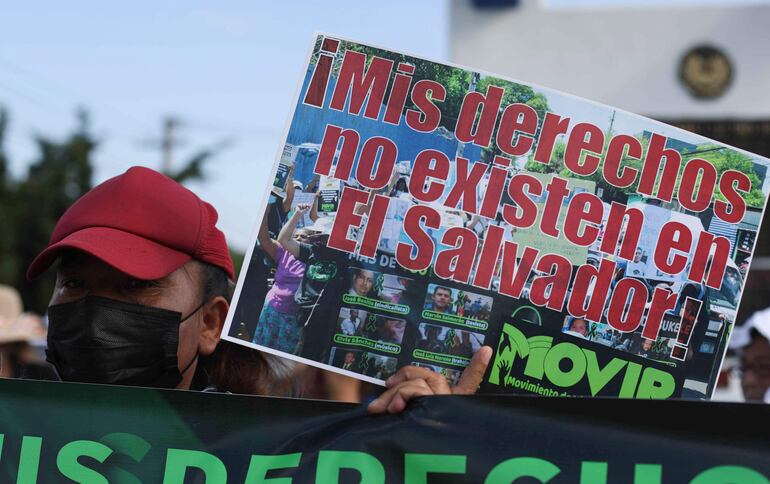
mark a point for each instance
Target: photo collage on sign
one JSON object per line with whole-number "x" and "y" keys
{"x": 372, "y": 317}
{"x": 453, "y": 326}
{"x": 632, "y": 343}
{"x": 452, "y": 375}
{"x": 363, "y": 362}
{"x": 710, "y": 312}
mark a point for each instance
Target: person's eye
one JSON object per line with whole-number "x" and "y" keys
{"x": 71, "y": 283}
{"x": 140, "y": 284}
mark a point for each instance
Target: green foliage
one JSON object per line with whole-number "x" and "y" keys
{"x": 610, "y": 192}
{"x": 514, "y": 93}
{"x": 725, "y": 159}
{"x": 457, "y": 83}
{"x": 3, "y": 158}
{"x": 8, "y": 265}
{"x": 31, "y": 207}
{"x": 237, "y": 257}
{"x": 555, "y": 164}
{"x": 455, "y": 80}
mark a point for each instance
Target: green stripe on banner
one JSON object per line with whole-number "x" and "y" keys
{"x": 64, "y": 432}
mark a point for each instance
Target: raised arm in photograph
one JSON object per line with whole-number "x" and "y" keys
{"x": 286, "y": 237}
{"x": 266, "y": 242}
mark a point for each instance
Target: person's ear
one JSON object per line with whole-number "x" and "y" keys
{"x": 213, "y": 315}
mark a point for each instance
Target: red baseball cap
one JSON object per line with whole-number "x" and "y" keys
{"x": 143, "y": 224}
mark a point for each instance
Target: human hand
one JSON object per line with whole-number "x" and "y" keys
{"x": 302, "y": 208}
{"x": 413, "y": 381}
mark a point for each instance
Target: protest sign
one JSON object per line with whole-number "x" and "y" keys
{"x": 329, "y": 194}
{"x": 285, "y": 165}
{"x": 593, "y": 249}
{"x": 64, "y": 432}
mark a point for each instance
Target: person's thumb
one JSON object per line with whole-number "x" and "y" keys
{"x": 474, "y": 373}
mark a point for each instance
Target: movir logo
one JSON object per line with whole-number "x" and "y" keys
{"x": 566, "y": 364}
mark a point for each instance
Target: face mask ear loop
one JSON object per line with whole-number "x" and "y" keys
{"x": 53, "y": 364}
{"x": 182, "y": 321}
{"x": 193, "y": 312}
{"x": 189, "y": 364}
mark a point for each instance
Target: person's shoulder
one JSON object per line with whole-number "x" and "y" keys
{"x": 321, "y": 252}
{"x": 305, "y": 252}
{"x": 280, "y": 252}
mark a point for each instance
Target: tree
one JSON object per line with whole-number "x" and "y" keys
{"x": 60, "y": 175}
{"x": 514, "y": 93}
{"x": 610, "y": 193}
{"x": 725, "y": 159}
{"x": 554, "y": 165}
{"x": 3, "y": 156}
{"x": 455, "y": 80}
{"x": 8, "y": 264}
{"x": 722, "y": 158}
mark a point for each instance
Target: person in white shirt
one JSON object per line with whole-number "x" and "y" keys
{"x": 350, "y": 325}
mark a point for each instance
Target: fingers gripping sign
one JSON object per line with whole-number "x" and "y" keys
{"x": 412, "y": 381}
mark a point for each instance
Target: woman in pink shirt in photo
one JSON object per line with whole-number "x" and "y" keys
{"x": 278, "y": 325}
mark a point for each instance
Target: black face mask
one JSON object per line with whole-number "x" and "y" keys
{"x": 101, "y": 340}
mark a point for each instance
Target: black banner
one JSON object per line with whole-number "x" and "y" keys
{"x": 57, "y": 432}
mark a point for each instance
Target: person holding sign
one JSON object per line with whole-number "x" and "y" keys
{"x": 280, "y": 202}
{"x": 413, "y": 381}
{"x": 410, "y": 381}
{"x": 278, "y": 326}
{"x": 142, "y": 285}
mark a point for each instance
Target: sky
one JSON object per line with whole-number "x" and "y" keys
{"x": 228, "y": 70}
{"x": 558, "y": 4}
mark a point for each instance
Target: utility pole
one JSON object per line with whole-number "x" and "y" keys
{"x": 168, "y": 142}
{"x": 612, "y": 122}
